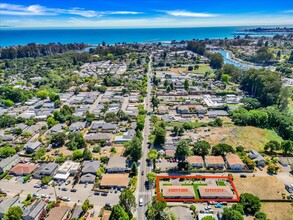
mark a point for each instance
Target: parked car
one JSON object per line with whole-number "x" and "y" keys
{"x": 37, "y": 186}
{"x": 44, "y": 196}
{"x": 64, "y": 189}
{"x": 97, "y": 193}
{"x": 44, "y": 186}
{"x": 73, "y": 190}
{"x": 243, "y": 176}
{"x": 35, "y": 195}
{"x": 66, "y": 199}
{"x": 142, "y": 173}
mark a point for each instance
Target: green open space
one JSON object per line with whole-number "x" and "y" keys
{"x": 195, "y": 185}
{"x": 203, "y": 68}
{"x": 221, "y": 183}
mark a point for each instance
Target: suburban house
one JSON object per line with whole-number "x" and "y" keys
{"x": 58, "y": 213}
{"x": 127, "y": 136}
{"x": 87, "y": 178}
{"x": 7, "y": 203}
{"x": 31, "y": 147}
{"x": 77, "y": 126}
{"x": 195, "y": 161}
{"x": 98, "y": 136}
{"x": 33, "y": 212}
{"x": 23, "y": 169}
{"x": 214, "y": 162}
{"x": 117, "y": 180}
{"x": 46, "y": 169}
{"x": 8, "y": 162}
{"x": 66, "y": 169}
{"x": 90, "y": 167}
{"x": 234, "y": 162}
{"x": 116, "y": 164}
{"x": 257, "y": 158}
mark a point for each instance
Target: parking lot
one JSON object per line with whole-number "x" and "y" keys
{"x": 13, "y": 187}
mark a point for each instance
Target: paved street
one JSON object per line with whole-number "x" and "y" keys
{"x": 141, "y": 191}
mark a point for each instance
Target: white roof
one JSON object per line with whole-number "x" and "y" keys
{"x": 62, "y": 176}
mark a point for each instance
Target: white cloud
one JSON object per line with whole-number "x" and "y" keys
{"x": 38, "y": 10}
{"x": 183, "y": 13}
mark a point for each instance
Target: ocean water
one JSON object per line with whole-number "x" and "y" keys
{"x": 10, "y": 37}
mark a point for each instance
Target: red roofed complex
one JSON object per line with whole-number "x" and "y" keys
{"x": 215, "y": 192}
{"x": 178, "y": 192}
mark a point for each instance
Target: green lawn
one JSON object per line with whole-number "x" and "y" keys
{"x": 221, "y": 183}
{"x": 202, "y": 68}
{"x": 195, "y": 187}
{"x": 167, "y": 184}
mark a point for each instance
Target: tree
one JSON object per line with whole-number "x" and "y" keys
{"x": 156, "y": 210}
{"x": 155, "y": 102}
{"x": 182, "y": 150}
{"x": 57, "y": 104}
{"x": 135, "y": 149}
{"x": 134, "y": 169}
{"x": 222, "y": 149}
{"x": 86, "y": 205}
{"x": 272, "y": 145}
{"x": 13, "y": 213}
{"x": 89, "y": 117}
{"x": 186, "y": 84}
{"x": 53, "y": 96}
{"x": 251, "y": 204}
{"x": 287, "y": 146}
{"x": 42, "y": 94}
{"x": 216, "y": 60}
{"x": 160, "y": 135}
{"x": 7, "y": 151}
{"x": 151, "y": 177}
{"x": 238, "y": 207}
{"x": 8, "y": 102}
{"x": 190, "y": 68}
{"x": 250, "y": 103}
{"x": 76, "y": 141}
{"x": 87, "y": 154}
{"x": 58, "y": 139}
{"x": 77, "y": 155}
{"x": 118, "y": 213}
{"x": 153, "y": 154}
{"x": 127, "y": 202}
{"x": 201, "y": 148}
{"x": 260, "y": 216}
{"x": 230, "y": 214}
{"x": 225, "y": 78}
{"x": 51, "y": 122}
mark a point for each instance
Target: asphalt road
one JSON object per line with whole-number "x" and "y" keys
{"x": 141, "y": 190}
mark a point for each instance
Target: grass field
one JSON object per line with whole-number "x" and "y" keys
{"x": 195, "y": 187}
{"x": 203, "y": 68}
{"x": 221, "y": 183}
{"x": 265, "y": 187}
{"x": 167, "y": 184}
{"x": 246, "y": 136}
{"x": 277, "y": 211}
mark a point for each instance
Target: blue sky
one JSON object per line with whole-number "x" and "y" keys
{"x": 144, "y": 13}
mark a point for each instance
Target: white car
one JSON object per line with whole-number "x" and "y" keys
{"x": 37, "y": 186}
{"x": 44, "y": 196}
{"x": 66, "y": 199}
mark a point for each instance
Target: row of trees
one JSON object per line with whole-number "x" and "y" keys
{"x": 269, "y": 117}
{"x": 36, "y": 50}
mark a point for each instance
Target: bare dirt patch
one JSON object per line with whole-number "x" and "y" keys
{"x": 246, "y": 136}
{"x": 265, "y": 187}
{"x": 277, "y": 211}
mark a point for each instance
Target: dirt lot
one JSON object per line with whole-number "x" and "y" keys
{"x": 265, "y": 187}
{"x": 277, "y": 211}
{"x": 247, "y": 136}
